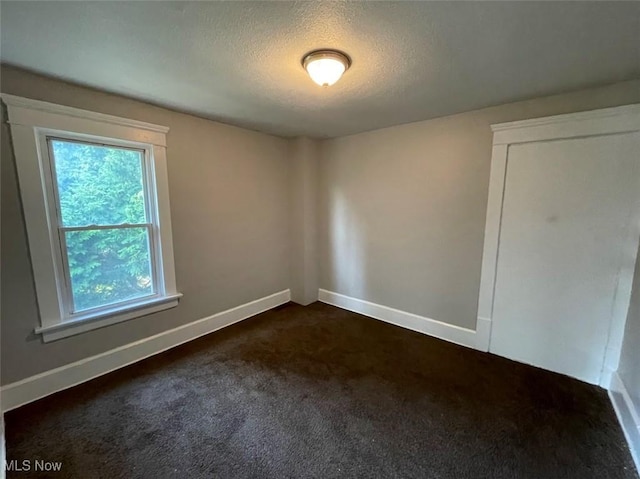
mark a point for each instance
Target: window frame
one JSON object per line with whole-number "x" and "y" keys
{"x": 56, "y": 221}
{"x": 33, "y": 123}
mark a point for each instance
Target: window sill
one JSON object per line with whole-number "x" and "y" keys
{"x": 106, "y": 318}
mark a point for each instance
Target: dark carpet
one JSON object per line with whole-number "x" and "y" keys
{"x": 320, "y": 392}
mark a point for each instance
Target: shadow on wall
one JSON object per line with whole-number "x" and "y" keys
{"x": 347, "y": 268}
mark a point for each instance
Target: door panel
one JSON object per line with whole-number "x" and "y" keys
{"x": 567, "y": 209}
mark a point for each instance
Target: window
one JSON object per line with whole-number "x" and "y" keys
{"x": 103, "y": 222}
{"x": 95, "y": 197}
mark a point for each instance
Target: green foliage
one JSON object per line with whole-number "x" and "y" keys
{"x": 100, "y": 185}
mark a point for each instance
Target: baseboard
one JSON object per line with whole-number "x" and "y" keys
{"x": 465, "y": 337}
{"x": 628, "y": 414}
{"x": 41, "y": 385}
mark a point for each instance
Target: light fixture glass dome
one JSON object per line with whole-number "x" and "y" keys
{"x": 325, "y": 67}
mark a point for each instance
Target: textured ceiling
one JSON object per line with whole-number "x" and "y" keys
{"x": 239, "y": 62}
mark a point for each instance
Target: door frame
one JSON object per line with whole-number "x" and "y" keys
{"x": 607, "y": 121}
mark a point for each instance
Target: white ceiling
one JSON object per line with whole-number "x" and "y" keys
{"x": 239, "y": 62}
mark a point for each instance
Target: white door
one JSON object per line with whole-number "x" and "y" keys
{"x": 569, "y": 208}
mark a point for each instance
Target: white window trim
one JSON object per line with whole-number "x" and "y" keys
{"x": 30, "y": 120}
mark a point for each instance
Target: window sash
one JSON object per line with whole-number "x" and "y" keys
{"x": 104, "y": 227}
{"x": 61, "y": 251}
{"x": 70, "y": 307}
{"x": 144, "y": 167}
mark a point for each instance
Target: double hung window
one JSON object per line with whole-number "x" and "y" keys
{"x": 95, "y": 197}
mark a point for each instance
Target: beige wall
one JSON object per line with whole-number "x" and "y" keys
{"x": 229, "y": 205}
{"x": 402, "y": 209}
{"x": 629, "y": 369}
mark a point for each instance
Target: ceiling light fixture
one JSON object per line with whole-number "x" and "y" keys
{"x": 325, "y": 67}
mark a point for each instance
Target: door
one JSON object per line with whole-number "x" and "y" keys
{"x": 569, "y": 209}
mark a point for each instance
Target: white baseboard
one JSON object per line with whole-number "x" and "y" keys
{"x": 465, "y": 337}
{"x": 41, "y": 385}
{"x": 628, "y": 414}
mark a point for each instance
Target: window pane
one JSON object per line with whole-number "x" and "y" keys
{"x": 99, "y": 185}
{"x": 108, "y": 265}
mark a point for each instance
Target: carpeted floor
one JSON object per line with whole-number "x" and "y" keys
{"x": 320, "y": 392}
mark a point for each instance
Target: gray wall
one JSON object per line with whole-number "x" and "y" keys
{"x": 629, "y": 368}
{"x": 229, "y": 206}
{"x": 304, "y": 158}
{"x": 402, "y": 209}
{"x": 400, "y": 217}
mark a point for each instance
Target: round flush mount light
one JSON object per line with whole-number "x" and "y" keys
{"x": 325, "y": 67}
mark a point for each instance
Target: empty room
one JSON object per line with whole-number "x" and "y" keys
{"x": 288, "y": 239}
